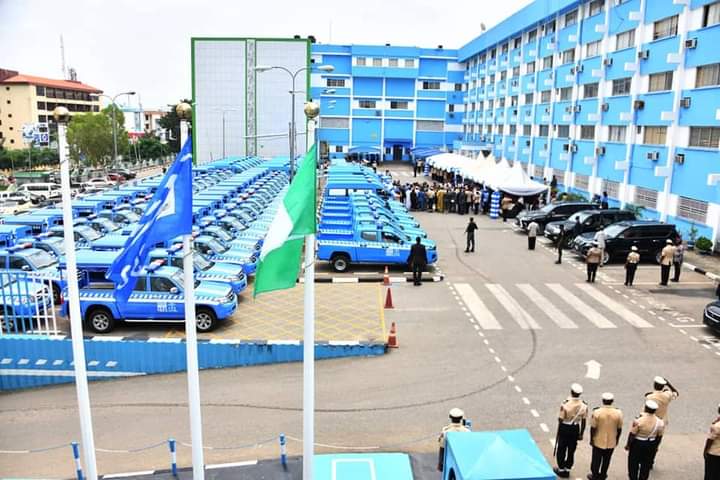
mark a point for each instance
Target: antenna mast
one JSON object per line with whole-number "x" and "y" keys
{"x": 62, "y": 58}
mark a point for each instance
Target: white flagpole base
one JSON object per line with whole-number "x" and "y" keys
{"x": 309, "y": 360}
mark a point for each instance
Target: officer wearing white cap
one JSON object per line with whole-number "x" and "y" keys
{"x": 457, "y": 424}
{"x": 605, "y": 429}
{"x": 666, "y": 260}
{"x": 712, "y": 450}
{"x": 643, "y": 439}
{"x": 571, "y": 427}
{"x": 593, "y": 258}
{"x": 631, "y": 264}
{"x": 663, "y": 393}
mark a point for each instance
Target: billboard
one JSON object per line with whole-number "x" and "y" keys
{"x": 239, "y": 110}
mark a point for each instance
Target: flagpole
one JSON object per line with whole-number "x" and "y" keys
{"x": 184, "y": 111}
{"x": 62, "y": 116}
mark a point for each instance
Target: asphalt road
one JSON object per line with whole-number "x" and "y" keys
{"x": 503, "y": 337}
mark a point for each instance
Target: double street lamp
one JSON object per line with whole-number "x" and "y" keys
{"x": 114, "y": 123}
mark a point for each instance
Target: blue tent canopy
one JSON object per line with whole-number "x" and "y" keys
{"x": 424, "y": 152}
{"x": 499, "y": 455}
{"x": 361, "y": 149}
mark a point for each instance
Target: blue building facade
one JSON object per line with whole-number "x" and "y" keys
{"x": 387, "y": 99}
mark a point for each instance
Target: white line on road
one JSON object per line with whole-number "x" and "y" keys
{"x": 483, "y": 316}
{"x": 534, "y": 413}
{"x": 511, "y": 378}
{"x": 583, "y": 308}
{"x": 632, "y": 318}
{"x": 526, "y": 400}
{"x": 544, "y": 428}
{"x": 686, "y": 326}
{"x": 518, "y": 389}
{"x": 513, "y": 307}
{"x": 562, "y": 320}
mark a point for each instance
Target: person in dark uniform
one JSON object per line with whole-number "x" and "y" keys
{"x": 417, "y": 261}
{"x": 605, "y": 429}
{"x": 711, "y": 452}
{"x": 642, "y": 442}
{"x": 560, "y": 243}
{"x": 470, "y": 232}
{"x": 571, "y": 427}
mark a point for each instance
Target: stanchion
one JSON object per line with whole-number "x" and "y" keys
{"x": 173, "y": 457}
{"x": 76, "y": 457}
{"x": 283, "y": 451}
{"x": 386, "y": 277}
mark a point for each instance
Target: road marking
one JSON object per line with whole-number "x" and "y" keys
{"x": 534, "y": 413}
{"x": 632, "y": 318}
{"x": 518, "y": 389}
{"x": 544, "y": 428}
{"x": 491, "y": 350}
{"x": 583, "y": 308}
{"x": 686, "y": 326}
{"x": 481, "y": 313}
{"x": 526, "y": 400}
{"x": 593, "y": 369}
{"x": 497, "y": 359}
{"x": 513, "y": 307}
{"x": 562, "y": 320}
{"x": 511, "y": 378}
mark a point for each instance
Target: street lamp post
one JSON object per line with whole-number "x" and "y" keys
{"x": 293, "y": 76}
{"x": 114, "y": 123}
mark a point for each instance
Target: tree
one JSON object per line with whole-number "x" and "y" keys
{"x": 19, "y": 158}
{"x": 150, "y": 147}
{"x": 171, "y": 123}
{"x": 89, "y": 136}
{"x": 123, "y": 143}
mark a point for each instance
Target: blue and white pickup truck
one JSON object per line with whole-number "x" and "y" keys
{"x": 36, "y": 263}
{"x": 218, "y": 251}
{"x": 20, "y": 301}
{"x": 368, "y": 244}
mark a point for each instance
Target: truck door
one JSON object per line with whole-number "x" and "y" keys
{"x": 369, "y": 248}
{"x": 139, "y": 305}
{"x": 168, "y": 301}
{"x": 391, "y": 244}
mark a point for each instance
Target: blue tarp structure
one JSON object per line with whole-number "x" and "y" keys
{"x": 359, "y": 150}
{"x": 498, "y": 455}
{"x": 363, "y": 466}
{"x": 424, "y": 152}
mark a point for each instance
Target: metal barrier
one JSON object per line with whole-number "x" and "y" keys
{"x": 27, "y": 304}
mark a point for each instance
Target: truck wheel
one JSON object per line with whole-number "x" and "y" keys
{"x": 100, "y": 320}
{"x": 340, "y": 262}
{"x": 8, "y": 323}
{"x": 205, "y": 320}
{"x": 606, "y": 257}
{"x": 658, "y": 257}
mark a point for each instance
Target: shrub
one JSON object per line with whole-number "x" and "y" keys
{"x": 704, "y": 244}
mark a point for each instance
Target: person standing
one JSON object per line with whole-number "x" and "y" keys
{"x": 662, "y": 394}
{"x": 417, "y": 261}
{"x": 631, "y": 264}
{"x": 553, "y": 183}
{"x": 560, "y": 243}
{"x": 571, "y": 427}
{"x": 476, "y": 201}
{"x": 711, "y": 452}
{"x": 532, "y": 234}
{"x": 440, "y": 199}
{"x": 604, "y": 201}
{"x": 600, "y": 239}
{"x": 605, "y": 428}
{"x": 470, "y": 235}
{"x": 505, "y": 207}
{"x": 666, "y": 260}
{"x": 456, "y": 425}
{"x": 413, "y": 199}
{"x": 577, "y": 227}
{"x": 645, "y": 435}
{"x": 468, "y": 200}
{"x": 460, "y": 195}
{"x": 451, "y": 197}
{"x": 678, "y": 259}
{"x": 593, "y": 257}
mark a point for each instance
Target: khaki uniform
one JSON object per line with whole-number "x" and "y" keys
{"x": 572, "y": 413}
{"x": 648, "y": 430}
{"x": 712, "y": 456}
{"x": 606, "y": 422}
{"x": 663, "y": 399}
{"x": 631, "y": 264}
{"x": 451, "y": 427}
{"x": 633, "y": 257}
{"x": 440, "y": 200}
{"x": 593, "y": 259}
{"x": 714, "y": 435}
{"x": 666, "y": 260}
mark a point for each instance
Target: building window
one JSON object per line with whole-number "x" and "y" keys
{"x": 568, "y": 56}
{"x": 590, "y": 90}
{"x": 517, "y": 42}
{"x": 532, "y": 36}
{"x": 514, "y": 101}
{"x": 550, "y": 28}
{"x": 377, "y": 62}
{"x": 708, "y": 75}
{"x": 612, "y": 188}
{"x": 625, "y": 40}
{"x": 501, "y": 102}
{"x": 621, "y": 86}
{"x": 493, "y": 53}
{"x": 617, "y": 133}
{"x": 527, "y": 130}
{"x": 596, "y": 7}
{"x": 409, "y": 63}
{"x": 429, "y": 125}
{"x": 42, "y": 118}
{"x": 563, "y": 131}
{"x": 667, "y": 27}
{"x": 516, "y": 71}
{"x": 329, "y": 122}
{"x": 451, "y": 108}
{"x": 335, "y": 82}
{"x": 544, "y": 131}
{"x": 505, "y": 48}
{"x": 711, "y": 14}
{"x": 655, "y": 135}
{"x": 571, "y": 18}
{"x": 530, "y": 67}
{"x": 704, "y": 137}
{"x": 582, "y": 182}
{"x": 545, "y": 96}
{"x": 338, "y": 148}
{"x": 458, "y": 87}
{"x": 547, "y": 62}
{"x": 367, "y": 103}
{"x": 398, "y": 105}
{"x": 565, "y": 93}
{"x": 529, "y": 98}
{"x": 538, "y": 171}
{"x": 593, "y": 48}
{"x": 393, "y": 62}
{"x": 41, "y": 105}
{"x": 40, "y": 91}
{"x": 513, "y": 129}
{"x": 430, "y": 85}
{"x": 646, "y": 197}
{"x": 661, "y": 81}
{"x": 503, "y": 75}
{"x": 692, "y": 209}
{"x": 587, "y": 132}
{"x": 361, "y": 61}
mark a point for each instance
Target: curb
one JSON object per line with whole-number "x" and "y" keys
{"x": 426, "y": 279}
{"x": 701, "y": 271}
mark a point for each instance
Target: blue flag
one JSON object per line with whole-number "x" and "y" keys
{"x": 168, "y": 215}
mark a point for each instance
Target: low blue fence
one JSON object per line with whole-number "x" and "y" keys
{"x": 30, "y": 361}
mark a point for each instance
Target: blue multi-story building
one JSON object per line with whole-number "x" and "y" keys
{"x": 387, "y": 99}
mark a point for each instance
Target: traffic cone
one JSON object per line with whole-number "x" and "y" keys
{"x": 386, "y": 277}
{"x": 392, "y": 338}
{"x": 388, "y": 299}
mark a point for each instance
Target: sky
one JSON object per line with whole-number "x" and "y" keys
{"x": 144, "y": 45}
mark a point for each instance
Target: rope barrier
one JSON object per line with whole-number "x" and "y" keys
{"x": 132, "y": 450}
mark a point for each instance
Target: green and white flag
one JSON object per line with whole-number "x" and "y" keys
{"x": 279, "y": 262}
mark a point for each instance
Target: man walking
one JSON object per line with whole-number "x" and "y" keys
{"x": 678, "y": 259}
{"x": 666, "y": 260}
{"x": 560, "y": 243}
{"x": 571, "y": 427}
{"x": 600, "y": 240}
{"x": 605, "y": 429}
{"x": 631, "y": 264}
{"x": 644, "y": 436}
{"x": 593, "y": 257}
{"x": 711, "y": 452}
{"x": 470, "y": 235}
{"x": 532, "y": 234}
{"x": 417, "y": 261}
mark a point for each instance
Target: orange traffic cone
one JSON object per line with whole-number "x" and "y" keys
{"x": 386, "y": 277}
{"x": 388, "y": 299}
{"x": 392, "y": 338}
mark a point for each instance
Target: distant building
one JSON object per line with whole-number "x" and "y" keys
{"x": 139, "y": 121}
{"x": 27, "y": 99}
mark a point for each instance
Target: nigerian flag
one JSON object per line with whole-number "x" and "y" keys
{"x": 279, "y": 262}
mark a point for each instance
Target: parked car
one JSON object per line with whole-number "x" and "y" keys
{"x": 648, "y": 236}
{"x": 711, "y": 315}
{"x": 98, "y": 183}
{"x": 590, "y": 221}
{"x": 125, "y": 172}
{"x": 40, "y": 192}
{"x": 13, "y": 207}
{"x": 552, "y": 212}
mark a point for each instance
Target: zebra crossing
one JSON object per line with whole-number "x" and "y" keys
{"x": 545, "y": 306}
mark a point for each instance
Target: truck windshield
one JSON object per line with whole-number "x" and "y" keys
{"x": 221, "y": 234}
{"x": 88, "y": 233}
{"x": 614, "y": 230}
{"x": 57, "y": 244}
{"x": 233, "y": 223}
{"x": 108, "y": 225}
{"x": 217, "y": 246}
{"x": 41, "y": 259}
{"x": 129, "y": 216}
{"x": 201, "y": 263}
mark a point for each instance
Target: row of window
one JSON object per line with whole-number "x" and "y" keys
{"x": 378, "y": 62}
{"x": 420, "y": 125}
{"x": 426, "y": 84}
{"x": 64, "y": 94}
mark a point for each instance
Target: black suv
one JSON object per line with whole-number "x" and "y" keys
{"x": 590, "y": 221}
{"x": 552, "y": 212}
{"x": 649, "y": 236}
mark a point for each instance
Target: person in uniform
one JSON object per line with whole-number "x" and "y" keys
{"x": 571, "y": 427}
{"x": 417, "y": 261}
{"x": 440, "y": 199}
{"x": 470, "y": 233}
{"x": 457, "y": 424}
{"x": 560, "y": 243}
{"x": 600, "y": 239}
{"x": 643, "y": 439}
{"x": 678, "y": 259}
{"x": 666, "y": 260}
{"x": 605, "y": 428}
{"x": 532, "y": 228}
{"x": 505, "y": 207}
{"x": 712, "y": 450}
{"x": 631, "y": 264}
{"x": 663, "y": 393}
{"x": 593, "y": 258}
